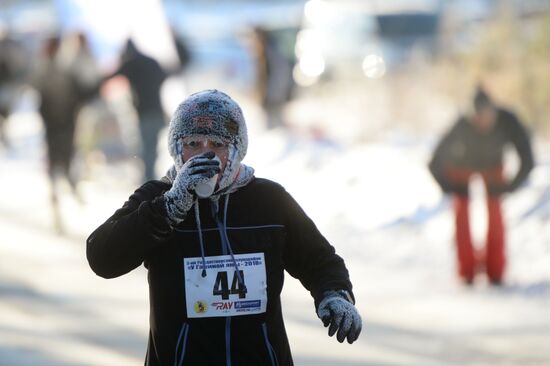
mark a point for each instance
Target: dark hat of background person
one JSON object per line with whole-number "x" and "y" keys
{"x": 130, "y": 50}
{"x": 482, "y": 99}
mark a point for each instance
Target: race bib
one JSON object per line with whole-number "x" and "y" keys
{"x": 221, "y": 293}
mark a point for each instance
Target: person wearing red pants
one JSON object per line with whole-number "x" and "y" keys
{"x": 475, "y": 145}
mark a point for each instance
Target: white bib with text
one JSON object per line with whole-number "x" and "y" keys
{"x": 221, "y": 292}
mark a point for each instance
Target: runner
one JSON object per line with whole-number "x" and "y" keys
{"x": 216, "y": 264}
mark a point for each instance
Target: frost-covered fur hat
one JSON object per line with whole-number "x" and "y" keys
{"x": 209, "y": 113}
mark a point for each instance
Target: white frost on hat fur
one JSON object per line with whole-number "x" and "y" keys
{"x": 207, "y": 113}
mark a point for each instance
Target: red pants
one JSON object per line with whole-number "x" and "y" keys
{"x": 492, "y": 259}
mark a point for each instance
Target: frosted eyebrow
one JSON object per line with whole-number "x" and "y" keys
{"x": 204, "y": 140}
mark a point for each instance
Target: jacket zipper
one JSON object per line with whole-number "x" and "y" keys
{"x": 182, "y": 339}
{"x": 228, "y": 341}
{"x": 219, "y": 224}
{"x": 270, "y": 350}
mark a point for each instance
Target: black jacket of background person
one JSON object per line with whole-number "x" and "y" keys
{"x": 465, "y": 147}
{"x": 145, "y": 76}
{"x": 261, "y": 217}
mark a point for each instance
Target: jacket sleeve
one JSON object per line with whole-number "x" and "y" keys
{"x": 125, "y": 240}
{"x": 309, "y": 257}
{"x": 440, "y": 159}
{"x": 520, "y": 140}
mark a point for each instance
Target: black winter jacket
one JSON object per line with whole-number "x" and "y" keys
{"x": 465, "y": 147}
{"x": 146, "y": 77}
{"x": 261, "y": 218}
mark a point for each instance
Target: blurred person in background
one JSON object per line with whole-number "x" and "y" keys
{"x": 61, "y": 95}
{"x": 273, "y": 82}
{"x": 216, "y": 264}
{"x": 183, "y": 52}
{"x": 145, "y": 76}
{"x": 12, "y": 74}
{"x": 475, "y": 145}
{"x": 94, "y": 116}
{"x": 81, "y": 62}
{"x": 177, "y": 81}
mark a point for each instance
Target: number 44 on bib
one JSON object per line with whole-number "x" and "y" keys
{"x": 224, "y": 291}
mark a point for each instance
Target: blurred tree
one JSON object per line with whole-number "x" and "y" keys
{"x": 510, "y": 55}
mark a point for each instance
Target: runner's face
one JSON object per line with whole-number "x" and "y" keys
{"x": 197, "y": 145}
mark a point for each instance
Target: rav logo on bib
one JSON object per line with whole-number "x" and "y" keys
{"x": 221, "y": 293}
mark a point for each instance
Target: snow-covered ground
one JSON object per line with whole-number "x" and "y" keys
{"x": 376, "y": 203}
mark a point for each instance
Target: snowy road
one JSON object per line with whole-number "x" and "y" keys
{"x": 392, "y": 227}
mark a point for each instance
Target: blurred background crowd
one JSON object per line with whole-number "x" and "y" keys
{"x": 87, "y": 89}
{"x": 346, "y": 70}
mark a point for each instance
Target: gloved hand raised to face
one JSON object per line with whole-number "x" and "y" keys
{"x": 337, "y": 310}
{"x": 180, "y": 197}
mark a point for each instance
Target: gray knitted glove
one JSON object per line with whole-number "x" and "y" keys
{"x": 337, "y": 310}
{"x": 180, "y": 197}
